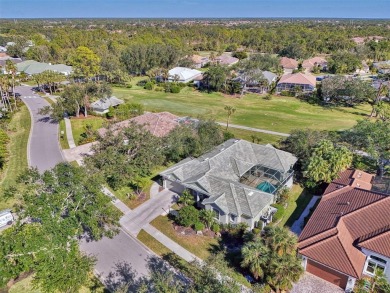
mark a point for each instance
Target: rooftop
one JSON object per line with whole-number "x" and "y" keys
{"x": 298, "y": 78}
{"x": 288, "y": 63}
{"x": 344, "y": 220}
{"x": 184, "y": 73}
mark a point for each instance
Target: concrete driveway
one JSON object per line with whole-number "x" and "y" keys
{"x": 43, "y": 151}
{"x": 312, "y": 284}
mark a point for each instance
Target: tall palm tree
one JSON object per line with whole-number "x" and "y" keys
{"x": 284, "y": 271}
{"x": 230, "y": 111}
{"x": 11, "y": 69}
{"x": 4, "y": 92}
{"x": 280, "y": 240}
{"x": 255, "y": 257}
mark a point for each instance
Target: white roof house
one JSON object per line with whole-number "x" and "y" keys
{"x": 183, "y": 74}
{"x": 102, "y": 106}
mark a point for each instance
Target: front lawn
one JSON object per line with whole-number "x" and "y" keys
{"x": 19, "y": 131}
{"x": 153, "y": 244}
{"x": 199, "y": 245}
{"x": 63, "y": 140}
{"x": 281, "y": 114}
{"x": 79, "y": 124}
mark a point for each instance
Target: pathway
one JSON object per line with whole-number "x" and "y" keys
{"x": 69, "y": 133}
{"x": 298, "y": 224}
{"x": 255, "y": 129}
{"x": 43, "y": 150}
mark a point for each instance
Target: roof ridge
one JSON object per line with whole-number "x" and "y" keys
{"x": 318, "y": 234}
{"x": 158, "y": 120}
{"x": 375, "y": 235}
{"x": 336, "y": 192}
{"x": 238, "y": 208}
{"x": 346, "y": 253}
{"x": 367, "y": 205}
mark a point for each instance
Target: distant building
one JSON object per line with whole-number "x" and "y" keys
{"x": 183, "y": 74}
{"x": 102, "y": 106}
{"x": 32, "y": 67}
{"x": 3, "y": 61}
{"x": 287, "y": 82}
{"x": 226, "y": 59}
{"x": 199, "y": 61}
{"x": 319, "y": 62}
{"x": 383, "y": 67}
{"x": 288, "y": 64}
{"x": 362, "y": 40}
{"x": 256, "y": 86}
{"x": 348, "y": 235}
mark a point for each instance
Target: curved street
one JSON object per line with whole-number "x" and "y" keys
{"x": 43, "y": 150}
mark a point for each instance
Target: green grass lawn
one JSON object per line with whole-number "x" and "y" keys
{"x": 264, "y": 138}
{"x": 153, "y": 244}
{"x": 19, "y": 132}
{"x": 78, "y": 125}
{"x": 63, "y": 140}
{"x": 297, "y": 202}
{"x": 196, "y": 244}
{"x": 281, "y": 114}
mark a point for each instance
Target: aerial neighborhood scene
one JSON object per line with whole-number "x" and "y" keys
{"x": 195, "y": 146}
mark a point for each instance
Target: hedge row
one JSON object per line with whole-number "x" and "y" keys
{"x": 4, "y": 139}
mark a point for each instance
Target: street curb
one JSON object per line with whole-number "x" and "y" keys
{"x": 29, "y": 135}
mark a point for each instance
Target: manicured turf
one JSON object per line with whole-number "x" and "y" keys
{"x": 198, "y": 245}
{"x": 279, "y": 114}
{"x": 152, "y": 243}
{"x": 19, "y": 130}
{"x": 78, "y": 125}
{"x": 63, "y": 140}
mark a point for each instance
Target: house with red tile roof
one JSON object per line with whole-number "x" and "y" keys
{"x": 159, "y": 124}
{"x": 348, "y": 235}
{"x": 319, "y": 62}
{"x": 288, "y": 64}
{"x": 290, "y": 81}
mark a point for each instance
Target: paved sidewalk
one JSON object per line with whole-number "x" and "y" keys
{"x": 69, "y": 133}
{"x": 255, "y": 129}
{"x": 298, "y": 224}
{"x": 141, "y": 216}
{"x": 172, "y": 245}
{"x": 154, "y": 189}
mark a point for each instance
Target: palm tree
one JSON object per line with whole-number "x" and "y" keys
{"x": 255, "y": 255}
{"x": 279, "y": 240}
{"x": 284, "y": 271}
{"x": 10, "y": 67}
{"x": 207, "y": 216}
{"x": 186, "y": 199}
{"x": 4, "y": 92}
{"x": 230, "y": 111}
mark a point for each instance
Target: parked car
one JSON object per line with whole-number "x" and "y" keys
{"x": 6, "y": 218}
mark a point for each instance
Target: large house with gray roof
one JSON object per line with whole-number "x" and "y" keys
{"x": 238, "y": 180}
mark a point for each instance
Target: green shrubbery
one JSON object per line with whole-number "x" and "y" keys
{"x": 4, "y": 139}
{"x": 198, "y": 226}
{"x": 188, "y": 216}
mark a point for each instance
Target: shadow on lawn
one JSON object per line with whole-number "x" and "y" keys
{"x": 301, "y": 202}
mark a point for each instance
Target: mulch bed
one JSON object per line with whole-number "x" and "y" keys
{"x": 188, "y": 231}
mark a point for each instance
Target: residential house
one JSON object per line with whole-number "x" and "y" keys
{"x": 102, "y": 106}
{"x": 348, "y": 235}
{"x": 238, "y": 180}
{"x": 288, "y": 64}
{"x": 183, "y": 74}
{"x": 159, "y": 124}
{"x": 290, "y": 81}
{"x": 226, "y": 59}
{"x": 362, "y": 40}
{"x": 3, "y": 62}
{"x": 199, "y": 61}
{"x": 257, "y": 86}
{"x": 311, "y": 63}
{"x": 32, "y": 67}
{"x": 3, "y": 49}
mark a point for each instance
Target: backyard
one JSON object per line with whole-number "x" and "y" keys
{"x": 281, "y": 114}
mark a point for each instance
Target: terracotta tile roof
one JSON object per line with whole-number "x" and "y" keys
{"x": 298, "y": 78}
{"x": 310, "y": 63}
{"x": 288, "y": 63}
{"x": 345, "y": 217}
{"x": 159, "y": 124}
{"x": 379, "y": 243}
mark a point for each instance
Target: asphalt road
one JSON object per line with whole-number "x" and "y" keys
{"x": 43, "y": 149}
{"x": 44, "y": 153}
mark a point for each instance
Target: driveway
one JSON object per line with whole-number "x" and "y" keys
{"x": 43, "y": 151}
{"x": 312, "y": 284}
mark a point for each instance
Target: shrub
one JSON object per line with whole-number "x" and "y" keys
{"x": 240, "y": 54}
{"x": 111, "y": 112}
{"x": 129, "y": 86}
{"x": 4, "y": 139}
{"x": 215, "y": 227}
{"x": 142, "y": 82}
{"x": 256, "y": 231}
{"x": 287, "y": 94}
{"x": 268, "y": 97}
{"x": 188, "y": 216}
{"x": 283, "y": 195}
{"x": 279, "y": 213}
{"x": 227, "y": 135}
{"x": 199, "y": 226}
{"x": 148, "y": 86}
{"x": 175, "y": 89}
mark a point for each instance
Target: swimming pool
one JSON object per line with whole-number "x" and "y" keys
{"x": 266, "y": 187}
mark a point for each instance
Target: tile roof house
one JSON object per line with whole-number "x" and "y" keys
{"x": 288, "y": 64}
{"x": 226, "y": 59}
{"x": 287, "y": 82}
{"x": 309, "y": 64}
{"x": 238, "y": 180}
{"x": 102, "y": 106}
{"x": 159, "y": 124}
{"x": 348, "y": 235}
{"x": 199, "y": 61}
{"x": 255, "y": 86}
{"x": 183, "y": 74}
{"x": 31, "y": 67}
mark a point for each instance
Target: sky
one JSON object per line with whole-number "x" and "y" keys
{"x": 194, "y": 8}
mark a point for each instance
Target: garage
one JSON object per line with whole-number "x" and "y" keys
{"x": 174, "y": 186}
{"x": 327, "y": 274}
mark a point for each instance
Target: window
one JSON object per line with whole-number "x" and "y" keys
{"x": 233, "y": 218}
{"x": 374, "y": 264}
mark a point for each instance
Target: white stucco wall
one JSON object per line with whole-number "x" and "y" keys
{"x": 368, "y": 253}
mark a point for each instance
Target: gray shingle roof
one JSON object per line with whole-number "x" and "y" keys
{"x": 218, "y": 174}
{"x": 104, "y": 104}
